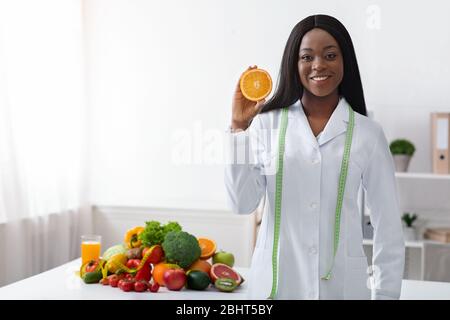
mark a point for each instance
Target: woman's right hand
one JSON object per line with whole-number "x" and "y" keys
{"x": 244, "y": 110}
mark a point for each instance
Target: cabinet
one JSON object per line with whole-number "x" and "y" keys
{"x": 427, "y": 195}
{"x": 414, "y": 257}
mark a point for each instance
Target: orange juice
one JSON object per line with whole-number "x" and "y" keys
{"x": 90, "y": 249}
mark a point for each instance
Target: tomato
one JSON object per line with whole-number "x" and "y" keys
{"x": 129, "y": 276}
{"x": 91, "y": 266}
{"x": 154, "y": 287}
{"x": 126, "y": 285}
{"x": 133, "y": 263}
{"x": 141, "y": 286}
{"x": 114, "y": 282}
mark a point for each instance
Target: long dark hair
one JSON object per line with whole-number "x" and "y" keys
{"x": 290, "y": 89}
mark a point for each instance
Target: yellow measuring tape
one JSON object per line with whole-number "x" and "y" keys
{"x": 120, "y": 266}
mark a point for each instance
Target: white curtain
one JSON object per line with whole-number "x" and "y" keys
{"x": 44, "y": 205}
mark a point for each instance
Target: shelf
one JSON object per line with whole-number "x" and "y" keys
{"x": 408, "y": 244}
{"x": 422, "y": 175}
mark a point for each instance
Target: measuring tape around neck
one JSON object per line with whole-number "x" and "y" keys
{"x": 279, "y": 192}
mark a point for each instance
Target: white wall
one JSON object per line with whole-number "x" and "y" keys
{"x": 160, "y": 67}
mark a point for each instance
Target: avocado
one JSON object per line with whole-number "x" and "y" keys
{"x": 197, "y": 280}
{"x": 92, "y": 277}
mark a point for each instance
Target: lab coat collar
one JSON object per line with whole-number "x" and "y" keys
{"x": 336, "y": 125}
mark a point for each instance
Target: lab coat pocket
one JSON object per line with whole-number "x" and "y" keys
{"x": 260, "y": 279}
{"x": 356, "y": 279}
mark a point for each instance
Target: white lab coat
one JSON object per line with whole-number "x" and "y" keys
{"x": 310, "y": 185}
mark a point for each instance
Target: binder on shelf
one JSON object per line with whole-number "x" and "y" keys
{"x": 438, "y": 234}
{"x": 440, "y": 136}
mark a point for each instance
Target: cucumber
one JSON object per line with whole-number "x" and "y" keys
{"x": 92, "y": 277}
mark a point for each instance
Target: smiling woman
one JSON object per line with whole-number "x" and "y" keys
{"x": 321, "y": 140}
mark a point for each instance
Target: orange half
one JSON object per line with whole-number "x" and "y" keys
{"x": 208, "y": 248}
{"x": 256, "y": 84}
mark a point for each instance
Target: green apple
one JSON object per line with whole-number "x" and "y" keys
{"x": 224, "y": 257}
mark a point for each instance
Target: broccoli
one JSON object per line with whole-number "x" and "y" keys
{"x": 181, "y": 248}
{"x": 154, "y": 232}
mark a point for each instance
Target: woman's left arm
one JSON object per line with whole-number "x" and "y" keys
{"x": 388, "y": 246}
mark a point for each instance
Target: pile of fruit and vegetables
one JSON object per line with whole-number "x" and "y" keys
{"x": 163, "y": 255}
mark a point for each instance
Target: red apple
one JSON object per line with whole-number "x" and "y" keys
{"x": 174, "y": 279}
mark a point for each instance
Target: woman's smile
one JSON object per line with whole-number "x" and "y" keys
{"x": 319, "y": 80}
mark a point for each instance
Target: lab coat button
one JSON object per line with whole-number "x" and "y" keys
{"x": 313, "y": 205}
{"x": 312, "y": 250}
{"x": 315, "y": 161}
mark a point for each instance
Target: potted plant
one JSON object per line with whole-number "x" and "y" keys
{"x": 402, "y": 150}
{"x": 409, "y": 230}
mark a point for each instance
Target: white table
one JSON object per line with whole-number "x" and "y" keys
{"x": 61, "y": 283}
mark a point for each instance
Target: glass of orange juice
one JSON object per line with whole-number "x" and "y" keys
{"x": 90, "y": 247}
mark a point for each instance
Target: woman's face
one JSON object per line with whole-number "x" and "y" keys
{"x": 320, "y": 64}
